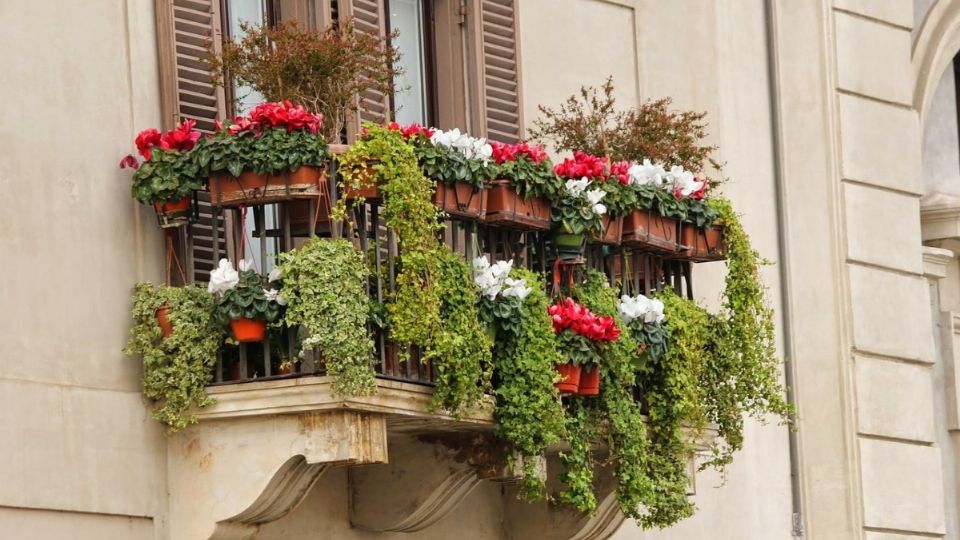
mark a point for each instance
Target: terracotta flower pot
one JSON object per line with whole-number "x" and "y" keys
{"x": 460, "y": 199}
{"x": 163, "y": 319}
{"x": 612, "y": 231}
{"x": 507, "y": 209}
{"x": 569, "y": 247}
{"x": 253, "y": 188}
{"x": 589, "y": 381}
{"x": 248, "y": 330}
{"x": 646, "y": 229}
{"x": 571, "y": 377}
{"x": 702, "y": 244}
{"x": 173, "y": 213}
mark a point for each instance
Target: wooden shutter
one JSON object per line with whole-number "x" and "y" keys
{"x": 368, "y": 16}
{"x": 185, "y": 28}
{"x": 495, "y": 74}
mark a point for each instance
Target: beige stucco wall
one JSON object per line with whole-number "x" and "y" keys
{"x": 79, "y": 81}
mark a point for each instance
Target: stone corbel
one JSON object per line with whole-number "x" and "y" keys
{"x": 426, "y": 479}
{"x": 229, "y": 477}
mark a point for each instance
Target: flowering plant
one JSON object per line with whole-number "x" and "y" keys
{"x": 167, "y": 173}
{"x": 500, "y": 295}
{"x": 675, "y": 193}
{"x": 412, "y": 131}
{"x": 527, "y": 168}
{"x": 452, "y": 156}
{"x": 644, "y": 318}
{"x": 580, "y": 330}
{"x": 241, "y": 293}
{"x": 272, "y": 138}
{"x": 577, "y": 210}
{"x": 610, "y": 178}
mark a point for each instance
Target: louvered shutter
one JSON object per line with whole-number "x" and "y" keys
{"x": 185, "y": 28}
{"x": 496, "y": 70}
{"x": 369, "y": 16}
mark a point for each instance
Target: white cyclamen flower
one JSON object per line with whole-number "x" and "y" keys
{"x": 516, "y": 288}
{"x": 223, "y": 278}
{"x": 594, "y": 196}
{"x": 683, "y": 181}
{"x": 654, "y": 312}
{"x": 501, "y": 269}
{"x": 632, "y": 308}
{"x": 576, "y": 187}
{"x": 647, "y": 173}
{"x": 480, "y": 264}
{"x": 274, "y": 295}
{"x": 274, "y": 275}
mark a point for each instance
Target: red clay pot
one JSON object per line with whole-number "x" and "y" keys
{"x": 172, "y": 207}
{"x": 507, "y": 209}
{"x": 460, "y": 200}
{"x": 571, "y": 377}
{"x": 163, "y": 319}
{"x": 612, "y": 231}
{"x": 253, "y": 188}
{"x": 589, "y": 382}
{"x": 701, "y": 245}
{"x": 649, "y": 230}
{"x": 247, "y": 330}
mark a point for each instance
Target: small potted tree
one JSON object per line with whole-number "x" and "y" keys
{"x": 168, "y": 175}
{"x": 243, "y": 301}
{"x": 580, "y": 332}
{"x": 576, "y": 213}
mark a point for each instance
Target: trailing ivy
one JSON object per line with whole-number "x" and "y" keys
{"x": 323, "y": 284}
{"x": 177, "y": 368}
{"x": 529, "y": 413}
{"x": 578, "y": 462}
{"x": 433, "y": 306}
{"x": 744, "y": 376}
{"x": 626, "y": 434}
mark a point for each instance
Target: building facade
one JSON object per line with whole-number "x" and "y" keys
{"x": 837, "y": 124}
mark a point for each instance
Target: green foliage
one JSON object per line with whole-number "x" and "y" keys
{"x": 590, "y": 122}
{"x": 528, "y": 412}
{"x": 247, "y": 300}
{"x": 626, "y": 433}
{"x": 621, "y": 198}
{"x": 324, "y": 285}
{"x": 531, "y": 179}
{"x": 574, "y": 214}
{"x": 433, "y": 306}
{"x": 168, "y": 176}
{"x": 323, "y": 70}
{"x": 273, "y": 151}
{"x": 444, "y": 164}
{"x": 578, "y": 462}
{"x": 744, "y": 377}
{"x": 175, "y": 369}
{"x": 578, "y": 349}
{"x": 460, "y": 351}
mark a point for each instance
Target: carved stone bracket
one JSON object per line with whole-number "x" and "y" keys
{"x": 427, "y": 478}
{"x": 229, "y": 477}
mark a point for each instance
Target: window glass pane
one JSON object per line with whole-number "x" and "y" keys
{"x": 406, "y": 16}
{"x": 252, "y": 12}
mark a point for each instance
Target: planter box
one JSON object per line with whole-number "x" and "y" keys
{"x": 569, "y": 378}
{"x": 507, "y": 209}
{"x": 702, "y": 245}
{"x": 612, "y": 231}
{"x": 649, "y": 231}
{"x": 569, "y": 247}
{"x": 174, "y": 213}
{"x": 460, "y": 200}
{"x": 251, "y": 188}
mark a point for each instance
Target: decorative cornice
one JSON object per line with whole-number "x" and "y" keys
{"x": 935, "y": 261}
{"x": 940, "y": 217}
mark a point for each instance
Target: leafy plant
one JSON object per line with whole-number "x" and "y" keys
{"x": 744, "y": 376}
{"x": 527, "y": 168}
{"x": 445, "y": 164}
{"x": 589, "y": 121}
{"x": 247, "y": 300}
{"x": 177, "y": 368}
{"x": 324, "y": 285}
{"x": 578, "y": 462}
{"x": 168, "y": 172}
{"x": 324, "y": 71}
{"x": 274, "y": 138}
{"x": 575, "y": 210}
{"x": 529, "y": 413}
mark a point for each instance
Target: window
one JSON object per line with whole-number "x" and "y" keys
{"x": 411, "y": 98}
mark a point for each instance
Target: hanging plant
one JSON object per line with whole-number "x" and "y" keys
{"x": 323, "y": 284}
{"x": 529, "y": 414}
{"x": 578, "y": 462}
{"x": 177, "y": 368}
{"x": 744, "y": 376}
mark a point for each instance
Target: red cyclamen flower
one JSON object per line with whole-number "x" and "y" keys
{"x": 510, "y": 152}
{"x": 572, "y": 316}
{"x": 582, "y": 165}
